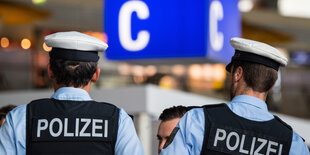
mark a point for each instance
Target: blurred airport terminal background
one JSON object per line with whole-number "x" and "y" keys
{"x": 174, "y": 46}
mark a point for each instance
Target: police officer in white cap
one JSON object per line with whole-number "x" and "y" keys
{"x": 244, "y": 125}
{"x": 70, "y": 122}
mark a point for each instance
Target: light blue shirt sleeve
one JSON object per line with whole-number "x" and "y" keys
{"x": 298, "y": 146}
{"x": 7, "y": 141}
{"x": 12, "y": 133}
{"x": 127, "y": 140}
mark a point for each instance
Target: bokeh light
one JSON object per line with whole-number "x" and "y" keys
{"x": 5, "y": 42}
{"x": 26, "y": 44}
{"x": 46, "y": 48}
{"x": 195, "y": 71}
{"x": 178, "y": 70}
{"x": 150, "y": 70}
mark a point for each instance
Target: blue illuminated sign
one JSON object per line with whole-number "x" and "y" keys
{"x": 146, "y": 29}
{"x": 300, "y": 57}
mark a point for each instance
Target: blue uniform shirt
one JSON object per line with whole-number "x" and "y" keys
{"x": 189, "y": 138}
{"x": 13, "y": 132}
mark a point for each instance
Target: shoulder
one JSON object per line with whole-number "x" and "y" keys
{"x": 18, "y": 111}
{"x": 190, "y": 133}
{"x": 297, "y": 138}
{"x": 195, "y": 114}
{"x": 215, "y": 108}
{"x": 282, "y": 122}
{"x": 40, "y": 100}
{"x": 38, "y": 103}
{"x": 17, "y": 117}
{"x": 123, "y": 115}
{"x": 298, "y": 145}
{"x": 192, "y": 121}
{"x": 107, "y": 107}
{"x": 127, "y": 140}
{"x": 108, "y": 104}
{"x": 125, "y": 122}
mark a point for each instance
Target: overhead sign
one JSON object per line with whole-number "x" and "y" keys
{"x": 146, "y": 29}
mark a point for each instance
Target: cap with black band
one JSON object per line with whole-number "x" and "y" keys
{"x": 75, "y": 46}
{"x": 75, "y": 55}
{"x": 257, "y": 52}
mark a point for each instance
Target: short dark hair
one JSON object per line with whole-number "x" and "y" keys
{"x": 257, "y": 76}
{"x": 72, "y": 73}
{"x": 6, "y": 109}
{"x": 173, "y": 112}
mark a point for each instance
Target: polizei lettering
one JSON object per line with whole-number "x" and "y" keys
{"x": 73, "y": 127}
{"x": 242, "y": 142}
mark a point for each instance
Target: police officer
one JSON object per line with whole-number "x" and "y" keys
{"x": 70, "y": 122}
{"x": 169, "y": 119}
{"x": 244, "y": 125}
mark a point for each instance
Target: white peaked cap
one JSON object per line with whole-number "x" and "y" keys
{"x": 75, "y": 41}
{"x": 257, "y": 52}
{"x": 258, "y": 48}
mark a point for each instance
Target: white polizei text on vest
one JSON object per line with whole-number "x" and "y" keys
{"x": 95, "y": 124}
{"x": 272, "y": 147}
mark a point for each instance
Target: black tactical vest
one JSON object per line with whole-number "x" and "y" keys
{"x": 228, "y": 133}
{"x": 71, "y": 127}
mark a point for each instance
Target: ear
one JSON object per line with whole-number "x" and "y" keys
{"x": 96, "y": 75}
{"x": 50, "y": 72}
{"x": 238, "y": 74}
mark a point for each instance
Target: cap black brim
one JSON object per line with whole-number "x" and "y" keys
{"x": 254, "y": 58}
{"x": 228, "y": 67}
{"x": 74, "y": 55}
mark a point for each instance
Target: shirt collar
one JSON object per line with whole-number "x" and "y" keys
{"x": 250, "y": 100}
{"x": 70, "y": 93}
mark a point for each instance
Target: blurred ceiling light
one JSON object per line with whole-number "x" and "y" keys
{"x": 195, "y": 71}
{"x": 168, "y": 82}
{"x": 178, "y": 70}
{"x": 38, "y": 2}
{"x": 150, "y": 70}
{"x": 245, "y": 5}
{"x": 294, "y": 8}
{"x": 25, "y": 43}
{"x": 219, "y": 72}
{"x": 137, "y": 70}
{"x": 46, "y": 48}
{"x": 124, "y": 69}
{"x": 207, "y": 72}
{"x": 5, "y": 42}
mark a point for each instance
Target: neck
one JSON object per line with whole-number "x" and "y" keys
{"x": 86, "y": 87}
{"x": 251, "y": 92}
